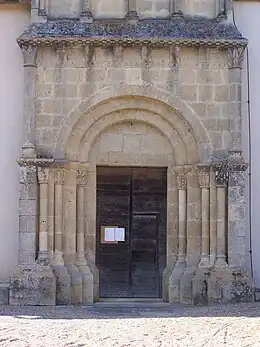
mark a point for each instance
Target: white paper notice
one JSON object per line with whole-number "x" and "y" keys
{"x": 120, "y": 234}
{"x": 110, "y": 235}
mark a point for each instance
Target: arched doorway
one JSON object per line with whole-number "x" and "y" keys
{"x": 134, "y": 133}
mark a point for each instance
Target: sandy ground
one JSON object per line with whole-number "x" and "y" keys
{"x": 149, "y": 326}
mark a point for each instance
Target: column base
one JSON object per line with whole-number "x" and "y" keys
{"x": 76, "y": 285}
{"x": 175, "y": 283}
{"x": 87, "y": 285}
{"x": 33, "y": 285}
{"x": 63, "y": 288}
{"x": 200, "y": 286}
{"x": 230, "y": 285}
{"x": 186, "y": 286}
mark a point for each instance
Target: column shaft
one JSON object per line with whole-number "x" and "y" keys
{"x": 204, "y": 181}
{"x": 221, "y": 227}
{"x": 43, "y": 232}
{"x": 205, "y": 225}
{"x": 58, "y": 239}
{"x": 81, "y": 225}
{"x": 182, "y": 225}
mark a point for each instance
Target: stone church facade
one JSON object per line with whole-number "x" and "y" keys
{"x": 136, "y": 84}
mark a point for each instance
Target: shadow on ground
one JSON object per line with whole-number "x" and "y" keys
{"x": 121, "y": 311}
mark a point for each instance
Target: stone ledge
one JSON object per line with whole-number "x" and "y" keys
{"x": 186, "y": 31}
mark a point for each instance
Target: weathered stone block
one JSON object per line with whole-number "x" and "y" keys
{"x": 63, "y": 285}
{"x": 33, "y": 285}
{"x": 4, "y": 294}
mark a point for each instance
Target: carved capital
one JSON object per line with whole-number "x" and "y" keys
{"x": 43, "y": 175}
{"x": 236, "y": 161}
{"x": 235, "y": 57}
{"x": 59, "y": 176}
{"x": 82, "y": 177}
{"x": 203, "y": 175}
{"x": 181, "y": 176}
{"x": 222, "y": 174}
{"x": 29, "y": 55}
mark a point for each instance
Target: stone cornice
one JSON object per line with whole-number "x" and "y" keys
{"x": 154, "y": 32}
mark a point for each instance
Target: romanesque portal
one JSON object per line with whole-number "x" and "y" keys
{"x": 138, "y": 108}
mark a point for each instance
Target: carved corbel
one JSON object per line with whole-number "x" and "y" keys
{"x": 235, "y": 57}
{"x": 29, "y": 55}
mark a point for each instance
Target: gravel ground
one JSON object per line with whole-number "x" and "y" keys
{"x": 145, "y": 325}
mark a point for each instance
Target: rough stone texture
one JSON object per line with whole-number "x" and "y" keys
{"x": 4, "y": 293}
{"x": 160, "y": 93}
{"x": 33, "y": 285}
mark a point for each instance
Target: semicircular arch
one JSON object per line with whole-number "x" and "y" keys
{"x": 172, "y": 110}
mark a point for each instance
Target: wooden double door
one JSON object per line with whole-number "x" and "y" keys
{"x": 135, "y": 200}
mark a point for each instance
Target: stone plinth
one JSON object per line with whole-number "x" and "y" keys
{"x": 33, "y": 285}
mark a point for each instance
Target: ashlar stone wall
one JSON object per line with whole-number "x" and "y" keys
{"x": 199, "y": 77}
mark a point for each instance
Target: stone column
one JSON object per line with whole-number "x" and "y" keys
{"x": 204, "y": 181}
{"x": 175, "y": 277}
{"x": 88, "y": 285}
{"x": 86, "y": 15}
{"x": 221, "y": 171}
{"x": 63, "y": 278}
{"x": 43, "y": 176}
